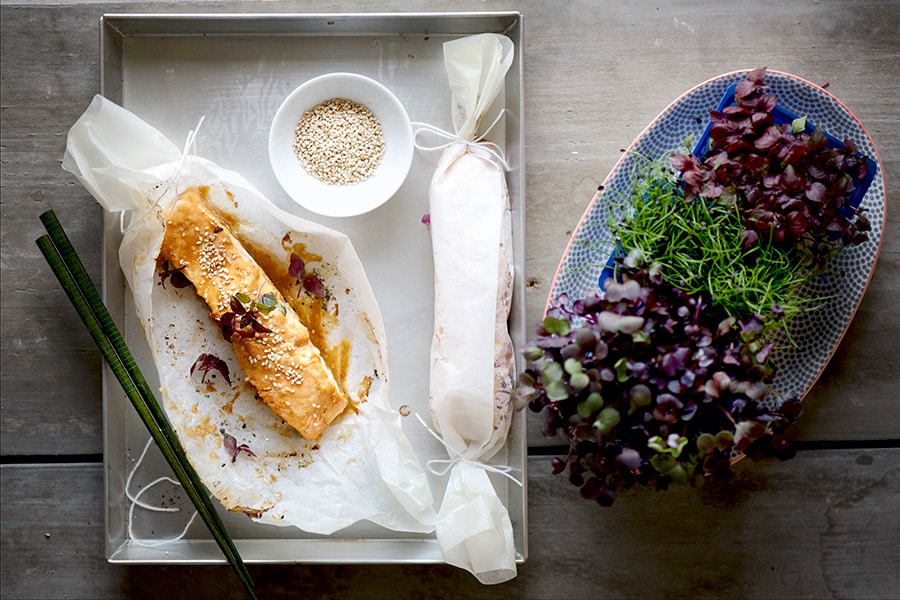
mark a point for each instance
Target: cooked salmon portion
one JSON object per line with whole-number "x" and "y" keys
{"x": 273, "y": 346}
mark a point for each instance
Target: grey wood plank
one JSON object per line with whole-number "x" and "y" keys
{"x": 826, "y": 524}
{"x": 51, "y": 370}
{"x": 596, "y": 74}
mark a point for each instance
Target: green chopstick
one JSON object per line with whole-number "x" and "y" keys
{"x": 75, "y": 281}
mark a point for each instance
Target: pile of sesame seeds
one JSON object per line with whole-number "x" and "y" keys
{"x": 339, "y": 142}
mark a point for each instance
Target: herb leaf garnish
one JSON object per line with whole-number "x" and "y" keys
{"x": 209, "y": 362}
{"x": 667, "y": 375}
{"x": 243, "y": 318}
{"x": 308, "y": 282}
{"x": 231, "y": 445}
{"x": 175, "y": 276}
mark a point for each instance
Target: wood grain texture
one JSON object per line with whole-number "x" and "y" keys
{"x": 825, "y": 525}
{"x": 51, "y": 390}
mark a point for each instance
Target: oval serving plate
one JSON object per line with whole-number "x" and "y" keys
{"x": 817, "y": 333}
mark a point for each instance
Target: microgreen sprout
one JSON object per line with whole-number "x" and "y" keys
{"x": 243, "y": 319}
{"x": 210, "y": 362}
{"x": 790, "y": 186}
{"x": 700, "y": 246}
{"x": 175, "y": 276}
{"x": 667, "y": 399}
{"x": 666, "y": 376}
{"x": 308, "y": 282}
{"x": 233, "y": 448}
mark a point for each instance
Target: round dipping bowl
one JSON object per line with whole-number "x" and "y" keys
{"x": 341, "y": 199}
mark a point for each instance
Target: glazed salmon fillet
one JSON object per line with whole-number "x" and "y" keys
{"x": 279, "y": 360}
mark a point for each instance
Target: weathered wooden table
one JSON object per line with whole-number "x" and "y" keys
{"x": 826, "y": 524}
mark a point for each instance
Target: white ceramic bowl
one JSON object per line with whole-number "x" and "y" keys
{"x": 336, "y": 200}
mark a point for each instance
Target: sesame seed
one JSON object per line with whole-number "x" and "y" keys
{"x": 339, "y": 142}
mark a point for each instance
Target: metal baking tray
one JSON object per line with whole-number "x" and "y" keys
{"x": 234, "y": 70}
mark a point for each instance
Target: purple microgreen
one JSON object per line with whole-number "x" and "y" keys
{"x": 634, "y": 410}
{"x": 226, "y": 324}
{"x": 296, "y": 267}
{"x": 790, "y": 185}
{"x": 237, "y": 305}
{"x": 232, "y": 447}
{"x": 313, "y": 285}
{"x": 174, "y": 276}
{"x": 209, "y": 362}
{"x": 243, "y": 319}
{"x": 308, "y": 282}
{"x": 259, "y": 327}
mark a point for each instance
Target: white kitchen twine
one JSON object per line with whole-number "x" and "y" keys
{"x": 189, "y": 142}
{"x": 480, "y": 147}
{"x": 136, "y": 501}
{"x": 447, "y": 463}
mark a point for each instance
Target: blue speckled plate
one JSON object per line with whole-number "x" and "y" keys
{"x": 816, "y": 334}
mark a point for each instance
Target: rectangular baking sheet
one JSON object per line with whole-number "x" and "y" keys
{"x": 234, "y": 70}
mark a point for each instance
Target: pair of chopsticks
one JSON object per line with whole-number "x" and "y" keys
{"x": 68, "y": 268}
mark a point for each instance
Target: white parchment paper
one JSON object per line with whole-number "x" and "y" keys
{"x": 363, "y": 468}
{"x": 470, "y": 224}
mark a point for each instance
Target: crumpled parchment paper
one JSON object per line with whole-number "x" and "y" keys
{"x": 363, "y": 468}
{"x": 469, "y": 389}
